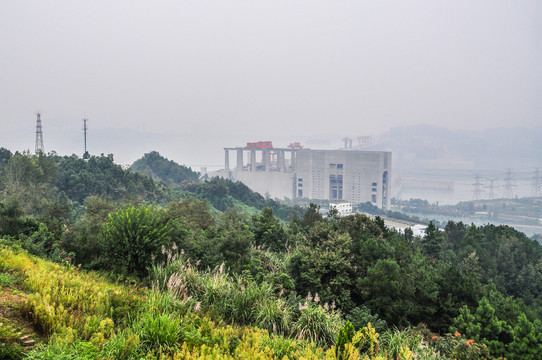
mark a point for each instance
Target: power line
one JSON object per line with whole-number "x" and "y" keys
{"x": 491, "y": 187}
{"x": 536, "y": 184}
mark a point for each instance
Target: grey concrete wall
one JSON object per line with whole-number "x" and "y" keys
{"x": 360, "y": 170}
{"x": 276, "y": 184}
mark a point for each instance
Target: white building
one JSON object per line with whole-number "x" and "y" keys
{"x": 336, "y": 175}
{"x": 344, "y": 208}
{"x": 417, "y": 230}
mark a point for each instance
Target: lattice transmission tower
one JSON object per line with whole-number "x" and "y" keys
{"x": 509, "y": 184}
{"x": 477, "y": 191}
{"x": 39, "y": 136}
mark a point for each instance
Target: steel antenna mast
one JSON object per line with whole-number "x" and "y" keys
{"x": 85, "y": 128}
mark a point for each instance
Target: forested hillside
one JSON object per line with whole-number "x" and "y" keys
{"x": 222, "y": 194}
{"x": 161, "y": 169}
{"x": 209, "y": 279}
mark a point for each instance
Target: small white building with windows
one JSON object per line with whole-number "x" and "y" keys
{"x": 344, "y": 208}
{"x": 417, "y": 230}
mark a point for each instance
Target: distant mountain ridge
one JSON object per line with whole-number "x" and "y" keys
{"x": 427, "y": 146}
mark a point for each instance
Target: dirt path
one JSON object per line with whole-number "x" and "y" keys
{"x": 15, "y": 329}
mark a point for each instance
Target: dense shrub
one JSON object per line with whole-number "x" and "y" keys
{"x": 133, "y": 235}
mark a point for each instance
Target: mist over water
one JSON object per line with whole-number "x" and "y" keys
{"x": 453, "y": 186}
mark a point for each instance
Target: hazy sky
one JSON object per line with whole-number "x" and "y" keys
{"x": 190, "y": 77}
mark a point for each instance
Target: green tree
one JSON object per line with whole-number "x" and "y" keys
{"x": 454, "y": 291}
{"x": 5, "y": 155}
{"x": 420, "y": 289}
{"x": 483, "y": 326}
{"x": 99, "y": 175}
{"x": 41, "y": 242}
{"x": 527, "y": 343}
{"x": 382, "y": 291}
{"x": 27, "y": 180}
{"x": 431, "y": 242}
{"x": 268, "y": 231}
{"x": 133, "y": 235}
{"x": 381, "y": 225}
{"x": 56, "y": 214}
{"x": 192, "y": 212}
{"x": 84, "y": 239}
{"x": 323, "y": 265}
{"x": 12, "y": 220}
{"x": 360, "y": 316}
{"x": 454, "y": 235}
{"x": 465, "y": 323}
{"x": 360, "y": 226}
{"x": 311, "y": 216}
{"x": 409, "y": 235}
{"x": 346, "y": 333}
{"x": 333, "y": 215}
{"x": 233, "y": 241}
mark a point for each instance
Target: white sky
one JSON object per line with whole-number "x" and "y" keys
{"x": 200, "y": 75}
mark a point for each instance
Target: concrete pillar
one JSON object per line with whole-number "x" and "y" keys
{"x": 239, "y": 159}
{"x": 267, "y": 159}
{"x": 252, "y": 160}
{"x": 226, "y": 159}
{"x": 294, "y": 160}
{"x": 280, "y": 160}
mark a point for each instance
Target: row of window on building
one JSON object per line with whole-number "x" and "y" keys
{"x": 336, "y": 185}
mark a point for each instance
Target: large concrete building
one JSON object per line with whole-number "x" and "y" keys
{"x": 293, "y": 172}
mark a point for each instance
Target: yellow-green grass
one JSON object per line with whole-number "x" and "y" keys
{"x": 63, "y": 297}
{"x": 85, "y": 316}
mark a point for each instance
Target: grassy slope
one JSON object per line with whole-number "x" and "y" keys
{"x": 84, "y": 316}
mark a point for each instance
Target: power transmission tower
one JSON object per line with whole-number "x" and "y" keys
{"x": 85, "y": 128}
{"x": 536, "y": 185}
{"x": 477, "y": 192}
{"x": 39, "y": 136}
{"x": 509, "y": 184}
{"x": 491, "y": 187}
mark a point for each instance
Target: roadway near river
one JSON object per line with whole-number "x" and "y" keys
{"x": 529, "y": 230}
